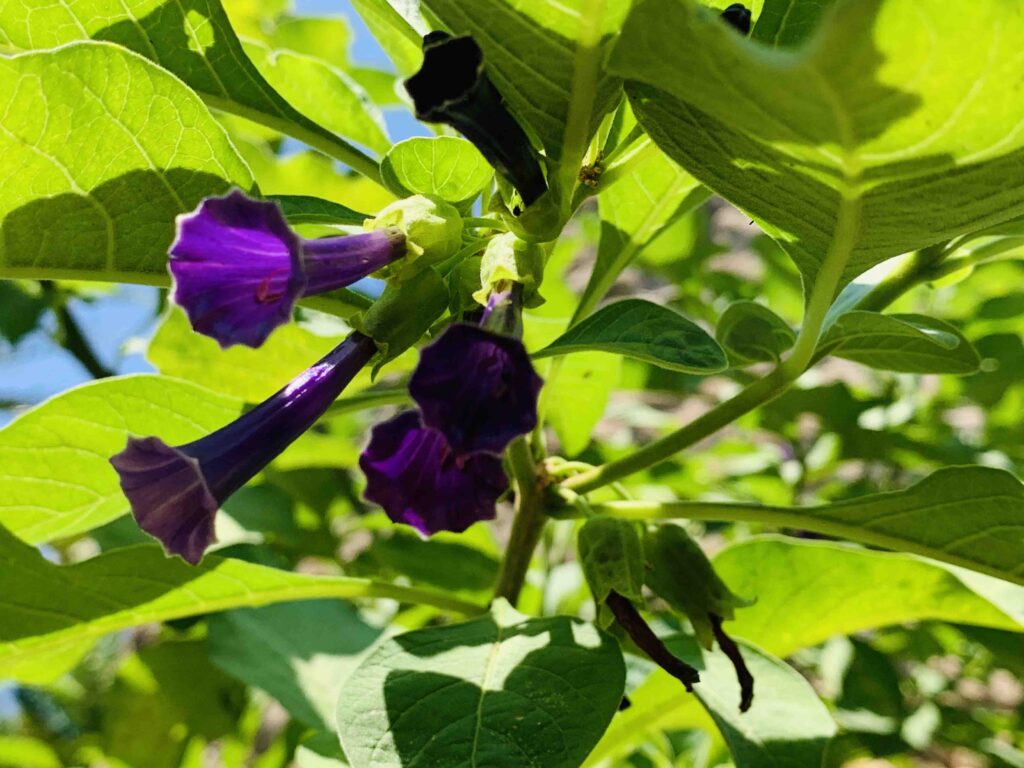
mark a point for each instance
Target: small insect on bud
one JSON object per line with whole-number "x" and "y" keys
{"x": 738, "y": 17}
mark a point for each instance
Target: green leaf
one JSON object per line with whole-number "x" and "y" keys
{"x": 531, "y": 53}
{"x": 193, "y": 41}
{"x": 786, "y": 727}
{"x": 807, "y": 592}
{"x": 300, "y": 653}
{"x": 114, "y": 147}
{"x": 57, "y": 480}
{"x": 575, "y": 401}
{"x": 787, "y": 23}
{"x": 323, "y": 92}
{"x": 19, "y": 310}
{"x": 644, "y": 331}
{"x": 752, "y": 333}
{"x": 444, "y": 166}
{"x": 905, "y": 343}
{"x": 634, "y": 211}
{"x": 967, "y": 516}
{"x": 251, "y": 375}
{"x": 48, "y": 611}
{"x": 890, "y": 129}
{"x": 501, "y": 690}
{"x": 398, "y": 28}
{"x": 303, "y": 209}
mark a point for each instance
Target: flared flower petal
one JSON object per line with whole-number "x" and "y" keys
{"x": 175, "y": 492}
{"x": 238, "y": 268}
{"x": 412, "y": 473}
{"x": 477, "y": 388}
{"x": 452, "y": 88}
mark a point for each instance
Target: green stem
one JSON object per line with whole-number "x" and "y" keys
{"x": 527, "y": 526}
{"x": 798, "y": 518}
{"x": 915, "y": 269}
{"x": 322, "y": 140}
{"x": 761, "y": 391}
{"x": 484, "y": 223}
{"x": 72, "y": 338}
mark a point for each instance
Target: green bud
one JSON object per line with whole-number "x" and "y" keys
{"x": 432, "y": 227}
{"x": 611, "y": 555}
{"x": 681, "y": 574}
{"x": 507, "y": 259}
{"x": 403, "y": 314}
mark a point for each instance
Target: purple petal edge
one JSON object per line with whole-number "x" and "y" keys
{"x": 169, "y": 496}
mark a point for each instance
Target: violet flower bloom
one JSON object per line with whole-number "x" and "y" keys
{"x": 452, "y": 88}
{"x": 238, "y": 268}
{"x": 477, "y": 388}
{"x": 418, "y": 479}
{"x": 176, "y": 491}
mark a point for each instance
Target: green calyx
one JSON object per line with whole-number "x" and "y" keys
{"x": 432, "y": 227}
{"x": 508, "y": 259}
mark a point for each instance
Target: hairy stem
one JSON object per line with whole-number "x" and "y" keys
{"x": 528, "y": 524}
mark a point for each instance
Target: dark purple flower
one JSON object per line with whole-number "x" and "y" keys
{"x": 175, "y": 491}
{"x": 238, "y": 268}
{"x": 477, "y": 388}
{"x": 417, "y": 478}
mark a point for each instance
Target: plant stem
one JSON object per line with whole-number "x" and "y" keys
{"x": 74, "y": 341}
{"x": 528, "y": 523}
{"x": 914, "y": 269}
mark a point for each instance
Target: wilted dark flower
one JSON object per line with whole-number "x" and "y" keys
{"x": 738, "y": 17}
{"x": 452, "y": 88}
{"x": 175, "y": 491}
{"x": 477, "y": 388}
{"x": 413, "y": 473}
{"x": 238, "y": 268}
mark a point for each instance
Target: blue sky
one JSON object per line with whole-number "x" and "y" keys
{"x": 39, "y": 368}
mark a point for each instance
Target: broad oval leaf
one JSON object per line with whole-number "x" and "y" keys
{"x": 644, "y": 331}
{"x": 502, "y": 691}
{"x": 195, "y": 41}
{"x": 114, "y": 148}
{"x": 442, "y": 166}
{"x": 60, "y": 610}
{"x": 863, "y": 143}
{"x": 322, "y": 92}
{"x": 303, "y": 209}
{"x": 787, "y": 726}
{"x": 57, "y": 480}
{"x": 752, "y": 333}
{"x": 900, "y": 342}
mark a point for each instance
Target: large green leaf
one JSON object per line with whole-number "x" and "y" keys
{"x": 644, "y": 331}
{"x": 392, "y": 23}
{"x": 786, "y": 727}
{"x": 501, "y": 690}
{"x": 967, "y": 516}
{"x": 99, "y": 150}
{"x": 906, "y": 343}
{"x": 193, "y": 40}
{"x": 807, "y": 592}
{"x": 891, "y": 128}
{"x": 533, "y": 56}
{"x": 300, "y": 653}
{"x": 49, "y": 612}
{"x": 323, "y": 92}
{"x": 443, "y": 166}
{"x": 57, "y": 480}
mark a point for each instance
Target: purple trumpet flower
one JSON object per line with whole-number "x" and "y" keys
{"x": 418, "y": 479}
{"x": 176, "y": 491}
{"x": 238, "y": 268}
{"x": 477, "y": 388}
